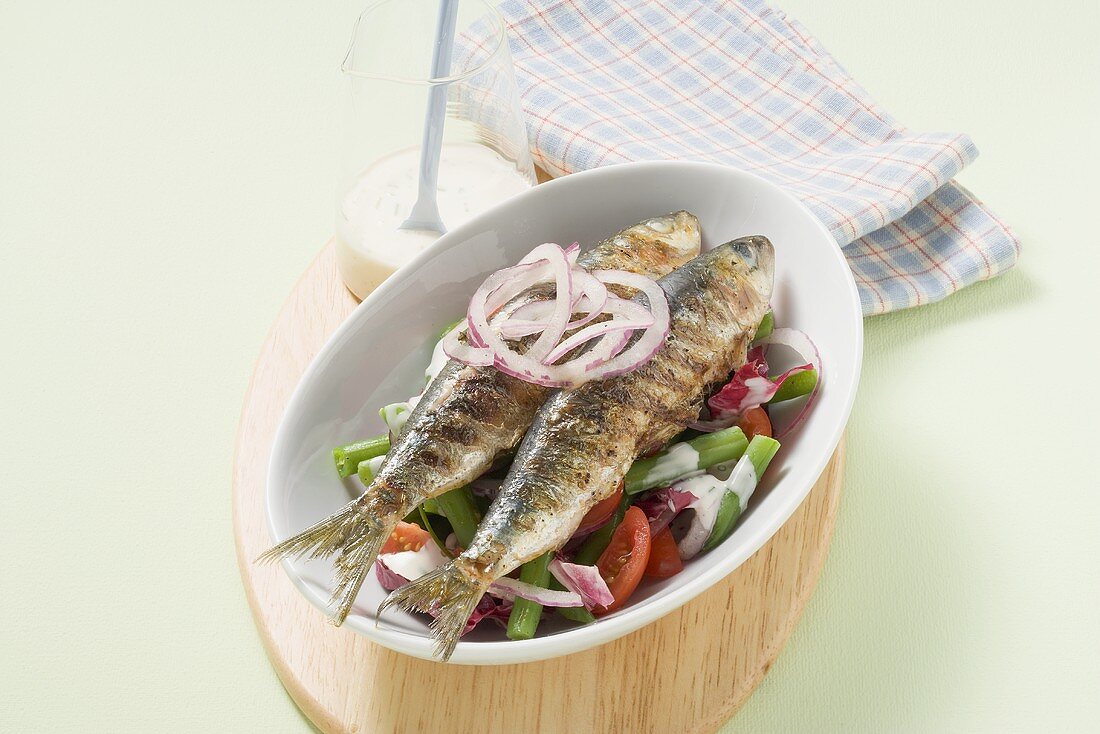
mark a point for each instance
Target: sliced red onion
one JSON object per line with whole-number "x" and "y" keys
{"x": 465, "y": 352}
{"x": 500, "y": 288}
{"x": 589, "y": 333}
{"x": 563, "y": 306}
{"x": 508, "y": 588}
{"x": 800, "y": 342}
{"x": 480, "y": 310}
{"x": 615, "y": 350}
{"x": 590, "y": 297}
{"x": 652, "y": 339}
{"x": 585, "y": 581}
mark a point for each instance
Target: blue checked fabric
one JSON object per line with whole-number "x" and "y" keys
{"x": 739, "y": 83}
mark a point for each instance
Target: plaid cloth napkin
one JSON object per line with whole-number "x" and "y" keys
{"x": 738, "y": 83}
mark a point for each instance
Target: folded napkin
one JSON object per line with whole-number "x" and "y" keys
{"x": 738, "y": 83}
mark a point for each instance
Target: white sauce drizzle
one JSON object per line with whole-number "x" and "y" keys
{"x": 414, "y": 564}
{"x": 742, "y": 481}
{"x": 396, "y": 415}
{"x": 439, "y": 361}
{"x": 681, "y": 460}
{"x": 375, "y": 464}
{"x": 709, "y": 491}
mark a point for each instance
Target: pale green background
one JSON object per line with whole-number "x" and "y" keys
{"x": 165, "y": 175}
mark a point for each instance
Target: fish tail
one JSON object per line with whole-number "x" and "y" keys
{"x": 354, "y": 534}
{"x": 447, "y": 593}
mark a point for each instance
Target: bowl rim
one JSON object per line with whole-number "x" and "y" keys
{"x": 499, "y": 652}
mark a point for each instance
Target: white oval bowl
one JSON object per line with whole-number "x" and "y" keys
{"x": 379, "y": 354}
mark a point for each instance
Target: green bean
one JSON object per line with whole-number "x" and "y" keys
{"x": 427, "y": 523}
{"x": 665, "y": 467}
{"x": 760, "y": 452}
{"x": 459, "y": 508}
{"x": 369, "y": 468}
{"x": 766, "y": 327}
{"x": 524, "y": 619}
{"x": 449, "y": 328}
{"x": 795, "y": 386}
{"x": 349, "y": 456}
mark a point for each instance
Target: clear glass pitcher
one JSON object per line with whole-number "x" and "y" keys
{"x": 485, "y": 156}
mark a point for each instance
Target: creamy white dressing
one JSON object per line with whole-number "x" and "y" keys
{"x": 681, "y": 460}
{"x": 414, "y": 564}
{"x": 396, "y": 415}
{"x": 709, "y": 491}
{"x": 370, "y": 243}
{"x": 742, "y": 481}
{"x": 439, "y": 361}
{"x": 375, "y": 464}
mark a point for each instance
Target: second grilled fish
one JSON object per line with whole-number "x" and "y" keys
{"x": 583, "y": 440}
{"x": 466, "y": 419}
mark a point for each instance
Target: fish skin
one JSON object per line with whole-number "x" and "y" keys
{"x": 467, "y": 418}
{"x": 470, "y": 416}
{"x": 583, "y": 441}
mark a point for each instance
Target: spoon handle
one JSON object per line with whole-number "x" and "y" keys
{"x": 426, "y": 211}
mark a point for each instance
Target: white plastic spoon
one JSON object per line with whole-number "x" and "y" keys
{"x": 425, "y": 212}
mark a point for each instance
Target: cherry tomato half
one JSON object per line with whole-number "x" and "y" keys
{"x": 406, "y": 536}
{"x": 755, "y": 422}
{"x": 624, "y": 560}
{"x": 602, "y": 510}
{"x": 664, "y": 556}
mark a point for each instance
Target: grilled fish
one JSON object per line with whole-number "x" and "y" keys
{"x": 583, "y": 440}
{"x": 466, "y": 419}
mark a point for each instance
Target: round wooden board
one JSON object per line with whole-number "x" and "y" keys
{"x": 687, "y": 672}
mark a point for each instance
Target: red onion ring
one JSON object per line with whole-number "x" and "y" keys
{"x": 585, "y": 581}
{"x": 488, "y": 327}
{"x": 509, "y": 589}
{"x": 801, "y": 343}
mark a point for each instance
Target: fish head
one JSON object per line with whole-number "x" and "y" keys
{"x": 756, "y": 256}
{"x": 673, "y": 238}
{"x": 741, "y": 270}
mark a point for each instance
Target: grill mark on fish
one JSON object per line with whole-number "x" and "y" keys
{"x": 583, "y": 441}
{"x": 466, "y": 419}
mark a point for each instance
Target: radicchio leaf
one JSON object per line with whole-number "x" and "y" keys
{"x": 750, "y": 387}
{"x": 663, "y": 505}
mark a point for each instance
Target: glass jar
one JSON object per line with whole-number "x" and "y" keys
{"x": 484, "y": 155}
